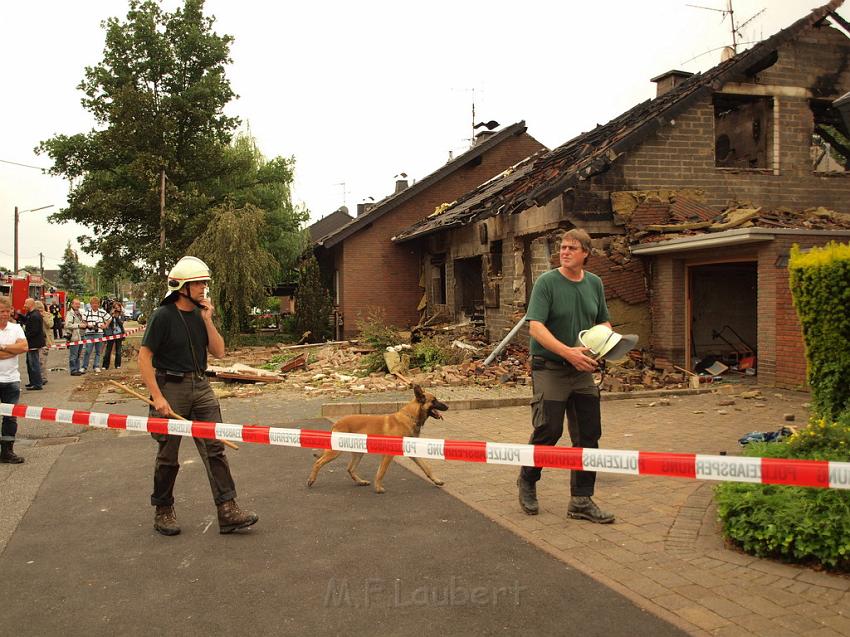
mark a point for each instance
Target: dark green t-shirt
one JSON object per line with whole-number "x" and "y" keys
{"x": 165, "y": 335}
{"x": 565, "y": 307}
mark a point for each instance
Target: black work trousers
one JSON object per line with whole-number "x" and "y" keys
{"x": 563, "y": 391}
{"x": 194, "y": 399}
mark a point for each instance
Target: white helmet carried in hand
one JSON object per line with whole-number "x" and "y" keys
{"x": 606, "y": 343}
{"x": 185, "y": 271}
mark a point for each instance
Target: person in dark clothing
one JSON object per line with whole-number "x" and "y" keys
{"x": 34, "y": 331}
{"x": 58, "y": 323}
{"x": 115, "y": 328}
{"x": 172, "y": 362}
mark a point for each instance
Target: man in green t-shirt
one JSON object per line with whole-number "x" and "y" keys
{"x": 563, "y": 303}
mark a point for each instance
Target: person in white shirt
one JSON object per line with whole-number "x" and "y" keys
{"x": 13, "y": 343}
{"x": 96, "y": 321}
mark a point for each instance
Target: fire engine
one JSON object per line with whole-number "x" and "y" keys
{"x": 19, "y": 287}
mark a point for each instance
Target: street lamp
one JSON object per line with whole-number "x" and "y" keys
{"x": 17, "y": 219}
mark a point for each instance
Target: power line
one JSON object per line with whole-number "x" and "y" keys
{"x": 17, "y": 163}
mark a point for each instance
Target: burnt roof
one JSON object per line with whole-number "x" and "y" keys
{"x": 393, "y": 201}
{"x": 540, "y": 178}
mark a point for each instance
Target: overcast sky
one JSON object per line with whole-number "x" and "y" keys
{"x": 359, "y": 92}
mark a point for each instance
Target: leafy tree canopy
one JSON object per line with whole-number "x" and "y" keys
{"x": 157, "y": 97}
{"x": 241, "y": 267}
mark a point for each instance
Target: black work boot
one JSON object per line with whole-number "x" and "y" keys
{"x": 8, "y": 456}
{"x": 582, "y": 507}
{"x": 232, "y": 518}
{"x": 165, "y": 521}
{"x": 528, "y": 496}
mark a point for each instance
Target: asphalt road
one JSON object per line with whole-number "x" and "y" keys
{"x": 333, "y": 559}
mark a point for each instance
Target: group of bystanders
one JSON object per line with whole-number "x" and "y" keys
{"x": 34, "y": 334}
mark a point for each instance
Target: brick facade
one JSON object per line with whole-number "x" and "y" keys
{"x": 376, "y": 273}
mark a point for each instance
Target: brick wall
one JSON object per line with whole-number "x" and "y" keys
{"x": 379, "y": 273}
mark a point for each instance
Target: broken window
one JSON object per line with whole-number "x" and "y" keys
{"x": 438, "y": 279}
{"x": 830, "y": 149}
{"x": 743, "y": 131}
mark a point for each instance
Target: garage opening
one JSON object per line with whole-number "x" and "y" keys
{"x": 469, "y": 288}
{"x": 724, "y": 316}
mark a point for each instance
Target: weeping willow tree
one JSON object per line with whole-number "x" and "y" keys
{"x": 242, "y": 269}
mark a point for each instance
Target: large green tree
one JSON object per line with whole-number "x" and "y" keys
{"x": 158, "y": 99}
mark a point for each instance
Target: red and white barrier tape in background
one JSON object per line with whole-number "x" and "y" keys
{"x": 100, "y": 339}
{"x": 803, "y": 473}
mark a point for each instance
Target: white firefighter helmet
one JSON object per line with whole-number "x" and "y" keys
{"x": 606, "y": 343}
{"x": 185, "y": 271}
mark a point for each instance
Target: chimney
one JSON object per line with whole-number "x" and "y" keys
{"x": 363, "y": 208}
{"x": 668, "y": 80}
{"x": 400, "y": 184}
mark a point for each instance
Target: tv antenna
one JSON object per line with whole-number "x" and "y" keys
{"x": 736, "y": 30}
{"x": 344, "y": 193}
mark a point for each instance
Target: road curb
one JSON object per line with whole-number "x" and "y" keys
{"x": 333, "y": 410}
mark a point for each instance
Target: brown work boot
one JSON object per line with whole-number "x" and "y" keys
{"x": 165, "y": 521}
{"x": 528, "y": 496}
{"x": 8, "y": 456}
{"x": 582, "y": 507}
{"x": 232, "y": 518}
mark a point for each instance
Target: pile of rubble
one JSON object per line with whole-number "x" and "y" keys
{"x": 337, "y": 371}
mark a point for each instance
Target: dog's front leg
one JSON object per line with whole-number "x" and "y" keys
{"x": 379, "y": 477}
{"x": 427, "y": 471}
{"x": 352, "y": 469}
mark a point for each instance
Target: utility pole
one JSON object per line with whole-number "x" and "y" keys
{"x": 41, "y": 263}
{"x": 18, "y": 214}
{"x": 162, "y": 223}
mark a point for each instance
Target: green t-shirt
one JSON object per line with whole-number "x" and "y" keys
{"x": 166, "y": 336}
{"x": 565, "y": 307}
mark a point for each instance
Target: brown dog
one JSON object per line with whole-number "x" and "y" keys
{"x": 408, "y": 421}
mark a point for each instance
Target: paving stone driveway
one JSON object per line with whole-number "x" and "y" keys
{"x": 665, "y": 550}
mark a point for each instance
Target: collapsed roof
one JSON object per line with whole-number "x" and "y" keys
{"x": 540, "y": 178}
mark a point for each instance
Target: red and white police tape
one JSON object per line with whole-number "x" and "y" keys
{"x": 101, "y": 339}
{"x": 802, "y": 473}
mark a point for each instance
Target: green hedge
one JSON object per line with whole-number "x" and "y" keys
{"x": 820, "y": 286}
{"x": 793, "y": 523}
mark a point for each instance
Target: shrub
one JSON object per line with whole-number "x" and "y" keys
{"x": 375, "y": 330}
{"x": 793, "y": 523}
{"x": 820, "y": 286}
{"x": 431, "y": 352}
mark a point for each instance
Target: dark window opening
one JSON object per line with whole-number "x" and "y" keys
{"x": 469, "y": 288}
{"x": 743, "y": 131}
{"x": 830, "y": 149}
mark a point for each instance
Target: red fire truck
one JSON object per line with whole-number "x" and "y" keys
{"x": 19, "y": 287}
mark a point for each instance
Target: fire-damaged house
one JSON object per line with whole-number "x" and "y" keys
{"x": 693, "y": 198}
{"x": 366, "y": 270}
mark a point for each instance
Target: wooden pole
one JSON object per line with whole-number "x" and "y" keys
{"x": 150, "y": 402}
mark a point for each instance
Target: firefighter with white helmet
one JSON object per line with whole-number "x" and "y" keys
{"x": 570, "y": 332}
{"x": 173, "y": 361}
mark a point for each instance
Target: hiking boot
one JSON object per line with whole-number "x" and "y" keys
{"x": 582, "y": 507}
{"x": 165, "y": 521}
{"x": 8, "y": 456}
{"x": 232, "y": 518}
{"x": 528, "y": 496}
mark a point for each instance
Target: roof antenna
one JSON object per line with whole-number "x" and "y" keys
{"x": 736, "y": 30}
